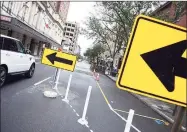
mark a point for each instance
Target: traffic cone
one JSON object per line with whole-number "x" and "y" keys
{"x": 97, "y": 78}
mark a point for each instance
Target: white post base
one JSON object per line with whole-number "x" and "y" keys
{"x": 50, "y": 94}
{"x": 66, "y": 100}
{"x": 83, "y": 121}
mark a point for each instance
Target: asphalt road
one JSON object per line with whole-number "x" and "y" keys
{"x": 24, "y": 108}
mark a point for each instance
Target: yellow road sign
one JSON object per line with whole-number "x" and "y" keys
{"x": 155, "y": 62}
{"x": 59, "y": 59}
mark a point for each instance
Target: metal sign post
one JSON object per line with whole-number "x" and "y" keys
{"x": 50, "y": 93}
{"x": 59, "y": 60}
{"x": 56, "y": 80}
{"x": 178, "y": 119}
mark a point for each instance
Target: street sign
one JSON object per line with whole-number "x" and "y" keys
{"x": 155, "y": 62}
{"x": 59, "y": 59}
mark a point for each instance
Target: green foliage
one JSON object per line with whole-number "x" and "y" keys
{"x": 94, "y": 52}
{"x": 112, "y": 24}
{"x": 79, "y": 56}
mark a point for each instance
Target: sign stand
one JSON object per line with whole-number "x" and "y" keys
{"x": 54, "y": 94}
{"x": 64, "y": 61}
{"x": 56, "y": 80}
{"x": 178, "y": 119}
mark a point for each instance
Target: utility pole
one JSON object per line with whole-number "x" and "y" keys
{"x": 178, "y": 119}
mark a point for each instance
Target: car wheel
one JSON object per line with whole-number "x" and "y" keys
{"x": 3, "y": 75}
{"x": 30, "y": 73}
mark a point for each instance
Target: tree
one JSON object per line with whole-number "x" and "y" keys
{"x": 94, "y": 53}
{"x": 112, "y": 24}
{"x": 79, "y": 56}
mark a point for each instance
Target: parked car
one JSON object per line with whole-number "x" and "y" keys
{"x": 14, "y": 59}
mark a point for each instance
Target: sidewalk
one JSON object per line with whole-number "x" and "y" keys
{"x": 162, "y": 108}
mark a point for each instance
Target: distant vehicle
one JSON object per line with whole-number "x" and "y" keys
{"x": 14, "y": 59}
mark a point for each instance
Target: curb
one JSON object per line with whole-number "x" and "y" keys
{"x": 156, "y": 110}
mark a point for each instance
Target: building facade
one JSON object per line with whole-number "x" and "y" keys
{"x": 61, "y": 7}
{"x": 66, "y": 45}
{"x": 34, "y": 23}
{"x": 168, "y": 10}
{"x": 72, "y": 32}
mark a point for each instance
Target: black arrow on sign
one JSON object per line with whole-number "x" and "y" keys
{"x": 167, "y": 62}
{"x": 52, "y": 58}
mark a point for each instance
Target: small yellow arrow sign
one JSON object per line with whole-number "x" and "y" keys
{"x": 59, "y": 59}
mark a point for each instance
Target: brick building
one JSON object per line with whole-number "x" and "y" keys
{"x": 168, "y": 9}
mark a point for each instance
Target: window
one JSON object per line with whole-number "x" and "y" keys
{"x": 72, "y": 30}
{"x": 10, "y": 45}
{"x": 20, "y": 47}
{"x": 1, "y": 43}
{"x": 71, "y": 34}
{"x": 67, "y": 34}
{"x": 68, "y": 29}
{"x": 73, "y": 25}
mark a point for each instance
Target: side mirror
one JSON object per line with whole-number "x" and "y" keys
{"x": 27, "y": 51}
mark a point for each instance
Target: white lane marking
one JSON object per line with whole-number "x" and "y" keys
{"x": 91, "y": 130}
{"x": 77, "y": 114}
{"x": 129, "y": 121}
{"x": 113, "y": 109}
{"x": 41, "y": 81}
{"x": 124, "y": 119}
{"x": 74, "y": 110}
{"x": 70, "y": 106}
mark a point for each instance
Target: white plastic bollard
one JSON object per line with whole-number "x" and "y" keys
{"x": 67, "y": 90}
{"x": 129, "y": 121}
{"x": 83, "y": 120}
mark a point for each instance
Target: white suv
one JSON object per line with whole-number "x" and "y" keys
{"x": 14, "y": 59}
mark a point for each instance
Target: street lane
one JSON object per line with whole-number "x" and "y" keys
{"x": 26, "y": 109}
{"x": 124, "y": 101}
{"x": 17, "y": 83}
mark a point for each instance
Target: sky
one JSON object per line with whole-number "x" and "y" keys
{"x": 78, "y": 11}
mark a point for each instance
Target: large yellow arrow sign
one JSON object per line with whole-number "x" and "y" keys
{"x": 155, "y": 63}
